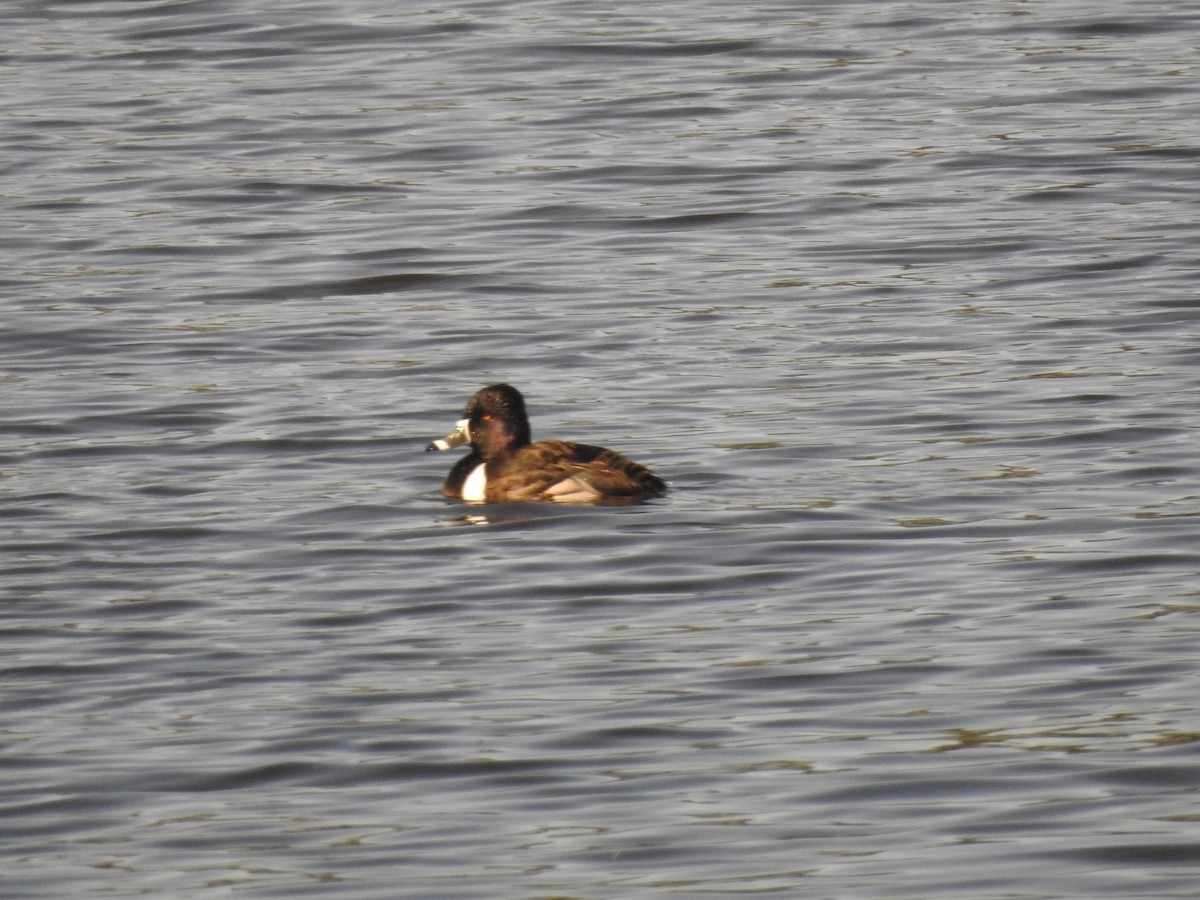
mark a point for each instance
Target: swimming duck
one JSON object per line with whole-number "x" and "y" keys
{"x": 504, "y": 465}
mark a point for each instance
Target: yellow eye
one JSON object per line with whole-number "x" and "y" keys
{"x": 486, "y": 417}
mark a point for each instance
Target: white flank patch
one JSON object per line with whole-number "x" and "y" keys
{"x": 572, "y": 490}
{"x": 475, "y": 487}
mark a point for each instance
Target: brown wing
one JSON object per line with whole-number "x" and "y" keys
{"x": 572, "y": 473}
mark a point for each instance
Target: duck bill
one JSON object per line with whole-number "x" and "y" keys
{"x": 459, "y": 436}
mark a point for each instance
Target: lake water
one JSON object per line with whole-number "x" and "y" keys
{"x": 901, "y": 298}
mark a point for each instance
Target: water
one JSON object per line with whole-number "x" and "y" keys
{"x": 899, "y": 297}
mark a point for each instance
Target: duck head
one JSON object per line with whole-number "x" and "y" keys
{"x": 494, "y": 422}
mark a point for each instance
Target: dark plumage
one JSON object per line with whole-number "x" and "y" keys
{"x": 504, "y": 465}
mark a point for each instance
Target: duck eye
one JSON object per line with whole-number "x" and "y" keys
{"x": 486, "y": 417}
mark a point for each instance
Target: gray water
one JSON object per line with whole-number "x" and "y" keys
{"x": 901, "y": 298}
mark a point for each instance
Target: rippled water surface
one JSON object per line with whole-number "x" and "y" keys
{"x": 901, "y": 298}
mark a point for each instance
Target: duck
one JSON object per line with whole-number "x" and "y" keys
{"x": 505, "y": 465}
